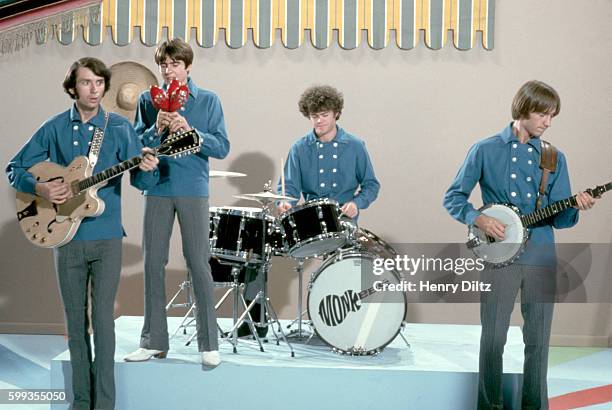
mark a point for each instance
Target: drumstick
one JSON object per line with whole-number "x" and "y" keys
{"x": 282, "y": 177}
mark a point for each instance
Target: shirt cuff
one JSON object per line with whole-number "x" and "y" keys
{"x": 470, "y": 218}
{"x": 28, "y": 184}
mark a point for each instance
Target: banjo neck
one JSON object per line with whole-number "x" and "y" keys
{"x": 560, "y": 206}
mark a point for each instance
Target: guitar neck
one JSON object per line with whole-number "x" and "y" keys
{"x": 109, "y": 173}
{"x": 560, "y": 206}
{"x": 184, "y": 143}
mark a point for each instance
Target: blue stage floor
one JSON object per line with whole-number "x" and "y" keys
{"x": 438, "y": 371}
{"x": 25, "y": 362}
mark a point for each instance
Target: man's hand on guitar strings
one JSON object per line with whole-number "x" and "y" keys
{"x": 491, "y": 227}
{"x": 584, "y": 201}
{"x": 149, "y": 160}
{"x": 55, "y": 191}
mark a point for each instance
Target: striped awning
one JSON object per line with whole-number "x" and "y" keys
{"x": 24, "y": 21}
{"x": 378, "y": 22}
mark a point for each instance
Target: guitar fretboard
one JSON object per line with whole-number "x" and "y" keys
{"x": 109, "y": 173}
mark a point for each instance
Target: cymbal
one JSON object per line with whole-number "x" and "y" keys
{"x": 225, "y": 174}
{"x": 265, "y": 196}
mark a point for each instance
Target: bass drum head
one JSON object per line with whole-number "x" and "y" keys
{"x": 350, "y": 322}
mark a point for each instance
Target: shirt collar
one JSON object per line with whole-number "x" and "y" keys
{"x": 340, "y": 137}
{"x": 97, "y": 120}
{"x": 507, "y": 135}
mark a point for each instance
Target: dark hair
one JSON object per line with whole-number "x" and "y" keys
{"x": 320, "y": 98}
{"x": 176, "y": 49}
{"x": 95, "y": 65}
{"x": 535, "y": 96}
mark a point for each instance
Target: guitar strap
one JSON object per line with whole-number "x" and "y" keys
{"x": 96, "y": 142}
{"x": 548, "y": 163}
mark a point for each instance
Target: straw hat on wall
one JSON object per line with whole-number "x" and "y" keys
{"x": 128, "y": 81}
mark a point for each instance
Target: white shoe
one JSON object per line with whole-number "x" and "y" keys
{"x": 142, "y": 355}
{"x": 211, "y": 358}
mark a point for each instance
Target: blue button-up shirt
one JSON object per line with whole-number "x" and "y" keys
{"x": 186, "y": 176}
{"x": 509, "y": 173}
{"x": 339, "y": 169}
{"x": 64, "y": 137}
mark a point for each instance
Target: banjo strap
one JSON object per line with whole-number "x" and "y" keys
{"x": 548, "y": 163}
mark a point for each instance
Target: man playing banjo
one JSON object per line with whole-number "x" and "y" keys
{"x": 508, "y": 168}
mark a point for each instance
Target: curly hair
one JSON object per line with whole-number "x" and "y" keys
{"x": 321, "y": 98}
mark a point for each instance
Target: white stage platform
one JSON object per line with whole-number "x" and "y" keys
{"x": 438, "y": 371}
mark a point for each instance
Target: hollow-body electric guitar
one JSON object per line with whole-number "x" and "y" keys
{"x": 49, "y": 225}
{"x": 501, "y": 253}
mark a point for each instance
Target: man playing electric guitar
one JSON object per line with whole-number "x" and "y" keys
{"x": 508, "y": 168}
{"x": 94, "y": 254}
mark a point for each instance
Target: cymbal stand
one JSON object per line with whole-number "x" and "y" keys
{"x": 189, "y": 317}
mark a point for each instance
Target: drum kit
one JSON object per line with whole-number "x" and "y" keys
{"x": 346, "y": 315}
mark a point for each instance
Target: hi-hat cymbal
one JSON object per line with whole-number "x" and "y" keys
{"x": 225, "y": 174}
{"x": 265, "y": 196}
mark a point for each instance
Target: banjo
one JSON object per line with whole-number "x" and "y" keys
{"x": 49, "y": 225}
{"x": 498, "y": 253}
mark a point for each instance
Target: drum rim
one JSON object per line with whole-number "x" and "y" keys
{"x": 308, "y": 204}
{"x": 330, "y": 261}
{"x": 375, "y": 238}
{"x": 238, "y": 212}
{"x": 237, "y": 256}
{"x": 319, "y": 237}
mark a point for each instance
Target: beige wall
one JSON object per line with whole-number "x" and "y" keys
{"x": 418, "y": 111}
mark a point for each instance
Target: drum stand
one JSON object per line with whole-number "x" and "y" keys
{"x": 234, "y": 290}
{"x": 268, "y": 314}
{"x": 185, "y": 286}
{"x": 297, "y": 334}
{"x": 403, "y": 327}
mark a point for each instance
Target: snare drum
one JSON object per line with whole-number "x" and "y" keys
{"x": 236, "y": 234}
{"x": 313, "y": 228}
{"x": 346, "y": 312}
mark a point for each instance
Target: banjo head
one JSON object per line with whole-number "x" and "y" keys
{"x": 501, "y": 253}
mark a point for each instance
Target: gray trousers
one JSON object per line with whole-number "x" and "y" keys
{"x": 99, "y": 264}
{"x": 537, "y": 286}
{"x": 193, "y": 220}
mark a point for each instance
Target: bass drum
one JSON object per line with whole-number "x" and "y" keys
{"x": 347, "y": 308}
